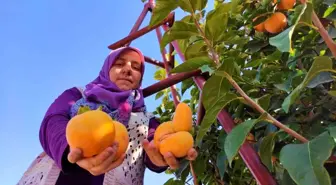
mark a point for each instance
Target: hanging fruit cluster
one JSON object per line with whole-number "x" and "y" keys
{"x": 277, "y": 22}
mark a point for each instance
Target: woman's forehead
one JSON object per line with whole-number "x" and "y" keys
{"x": 130, "y": 55}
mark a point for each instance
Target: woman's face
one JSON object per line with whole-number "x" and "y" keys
{"x": 126, "y": 70}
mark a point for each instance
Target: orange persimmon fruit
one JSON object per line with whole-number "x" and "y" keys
{"x": 284, "y": 4}
{"x": 93, "y": 131}
{"x": 276, "y": 23}
{"x": 174, "y": 136}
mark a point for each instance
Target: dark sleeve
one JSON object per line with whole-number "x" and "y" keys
{"x": 52, "y": 130}
{"x": 153, "y": 124}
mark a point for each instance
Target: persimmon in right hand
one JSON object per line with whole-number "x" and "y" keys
{"x": 173, "y": 136}
{"x": 93, "y": 131}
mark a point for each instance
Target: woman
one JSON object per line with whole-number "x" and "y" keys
{"x": 117, "y": 89}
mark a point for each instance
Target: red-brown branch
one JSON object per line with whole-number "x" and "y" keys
{"x": 139, "y": 33}
{"x": 154, "y": 62}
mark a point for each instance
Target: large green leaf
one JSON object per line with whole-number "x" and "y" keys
{"x": 192, "y": 64}
{"x": 320, "y": 64}
{"x": 180, "y": 30}
{"x": 283, "y": 41}
{"x": 216, "y": 22}
{"x": 236, "y": 138}
{"x": 266, "y": 150}
{"x": 212, "y": 112}
{"x": 192, "y": 5}
{"x": 304, "y": 162}
{"x": 196, "y": 49}
{"x": 321, "y": 78}
{"x": 162, "y": 10}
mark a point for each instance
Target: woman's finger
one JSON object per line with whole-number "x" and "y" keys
{"x": 171, "y": 160}
{"x": 74, "y": 155}
{"x": 91, "y": 162}
{"x": 192, "y": 154}
{"x": 104, "y": 165}
{"x": 153, "y": 153}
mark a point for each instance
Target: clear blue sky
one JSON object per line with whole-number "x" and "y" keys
{"x": 47, "y": 47}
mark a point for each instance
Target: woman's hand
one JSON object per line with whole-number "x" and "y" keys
{"x": 98, "y": 164}
{"x": 166, "y": 159}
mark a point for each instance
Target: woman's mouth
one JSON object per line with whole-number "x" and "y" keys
{"x": 125, "y": 79}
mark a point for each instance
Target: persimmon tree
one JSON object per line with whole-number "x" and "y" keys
{"x": 270, "y": 64}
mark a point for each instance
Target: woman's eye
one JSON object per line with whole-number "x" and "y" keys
{"x": 136, "y": 67}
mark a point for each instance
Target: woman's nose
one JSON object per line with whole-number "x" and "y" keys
{"x": 127, "y": 67}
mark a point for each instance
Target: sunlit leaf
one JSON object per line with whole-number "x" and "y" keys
{"x": 192, "y": 64}
{"x": 180, "y": 30}
{"x": 192, "y": 5}
{"x": 216, "y": 22}
{"x": 236, "y": 138}
{"x": 162, "y": 10}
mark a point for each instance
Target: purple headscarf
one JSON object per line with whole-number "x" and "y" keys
{"x": 103, "y": 91}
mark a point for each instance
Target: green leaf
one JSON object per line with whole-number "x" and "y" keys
{"x": 83, "y": 109}
{"x": 286, "y": 179}
{"x": 283, "y": 41}
{"x": 264, "y": 101}
{"x": 160, "y": 74}
{"x": 179, "y": 30}
{"x": 162, "y": 10}
{"x": 206, "y": 68}
{"x": 192, "y": 5}
{"x": 182, "y": 166}
{"x": 172, "y": 181}
{"x": 321, "y": 78}
{"x": 222, "y": 163}
{"x": 304, "y": 162}
{"x": 286, "y": 86}
{"x": 192, "y": 64}
{"x": 332, "y": 131}
{"x": 221, "y": 139}
{"x": 266, "y": 150}
{"x": 306, "y": 17}
{"x": 237, "y": 137}
{"x": 276, "y": 55}
{"x": 212, "y": 112}
{"x": 199, "y": 165}
{"x": 234, "y": 5}
{"x": 216, "y": 22}
{"x": 196, "y": 49}
{"x": 186, "y": 84}
{"x": 217, "y": 86}
{"x": 320, "y": 64}
{"x": 332, "y": 93}
{"x": 159, "y": 95}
